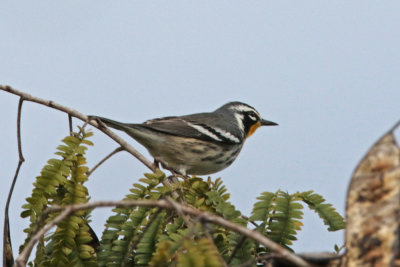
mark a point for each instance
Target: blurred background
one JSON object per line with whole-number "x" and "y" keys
{"x": 327, "y": 72}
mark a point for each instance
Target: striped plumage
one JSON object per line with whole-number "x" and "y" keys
{"x": 199, "y": 144}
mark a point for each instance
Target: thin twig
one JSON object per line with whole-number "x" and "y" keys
{"x": 21, "y": 157}
{"x": 70, "y": 123}
{"x": 163, "y": 204}
{"x": 78, "y": 115}
{"x": 247, "y": 219}
{"x": 115, "y": 151}
{"x": 236, "y": 249}
{"x": 394, "y": 127}
{"x": 7, "y": 248}
{"x": 209, "y": 236}
{"x": 179, "y": 211}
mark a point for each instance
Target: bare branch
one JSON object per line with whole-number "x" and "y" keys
{"x": 7, "y": 248}
{"x": 115, "y": 151}
{"x": 78, "y": 115}
{"x": 163, "y": 204}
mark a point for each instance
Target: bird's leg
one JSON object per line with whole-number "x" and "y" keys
{"x": 173, "y": 179}
{"x": 156, "y": 163}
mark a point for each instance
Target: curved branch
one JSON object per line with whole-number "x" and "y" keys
{"x": 78, "y": 115}
{"x": 163, "y": 204}
{"x": 7, "y": 248}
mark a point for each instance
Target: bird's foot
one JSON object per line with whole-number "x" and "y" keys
{"x": 177, "y": 174}
{"x": 156, "y": 164}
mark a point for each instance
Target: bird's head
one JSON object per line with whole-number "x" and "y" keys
{"x": 247, "y": 118}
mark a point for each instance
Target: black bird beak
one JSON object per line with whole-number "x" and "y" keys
{"x": 267, "y": 123}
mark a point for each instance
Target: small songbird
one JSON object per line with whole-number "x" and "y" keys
{"x": 198, "y": 144}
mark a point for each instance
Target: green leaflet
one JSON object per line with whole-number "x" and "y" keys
{"x": 230, "y": 244}
{"x": 262, "y": 209}
{"x": 147, "y": 244}
{"x": 326, "y": 211}
{"x": 284, "y": 222}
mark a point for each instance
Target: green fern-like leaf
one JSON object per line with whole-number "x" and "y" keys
{"x": 231, "y": 244}
{"x": 52, "y": 177}
{"x": 147, "y": 244}
{"x": 285, "y": 220}
{"x": 262, "y": 209}
{"x": 326, "y": 211}
{"x": 71, "y": 244}
{"x": 61, "y": 183}
{"x": 219, "y": 188}
{"x": 123, "y": 229}
{"x": 72, "y": 235}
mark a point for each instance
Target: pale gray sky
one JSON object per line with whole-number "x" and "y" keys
{"x": 326, "y": 71}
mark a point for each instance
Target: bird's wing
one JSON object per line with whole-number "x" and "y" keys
{"x": 189, "y": 126}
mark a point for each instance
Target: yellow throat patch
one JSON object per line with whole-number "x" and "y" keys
{"x": 253, "y": 128}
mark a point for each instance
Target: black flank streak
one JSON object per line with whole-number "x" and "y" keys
{"x": 230, "y": 162}
{"x": 189, "y": 147}
{"x": 235, "y": 152}
{"x": 211, "y": 146}
{"x": 212, "y": 158}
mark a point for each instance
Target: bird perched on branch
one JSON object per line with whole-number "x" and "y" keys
{"x": 198, "y": 144}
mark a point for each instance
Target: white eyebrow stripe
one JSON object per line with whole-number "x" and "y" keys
{"x": 227, "y": 135}
{"x": 243, "y": 108}
{"x": 203, "y": 130}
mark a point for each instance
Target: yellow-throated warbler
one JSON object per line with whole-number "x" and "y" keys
{"x": 199, "y": 144}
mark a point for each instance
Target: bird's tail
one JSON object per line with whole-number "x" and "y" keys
{"x": 111, "y": 123}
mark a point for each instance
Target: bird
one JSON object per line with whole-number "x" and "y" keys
{"x": 195, "y": 144}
